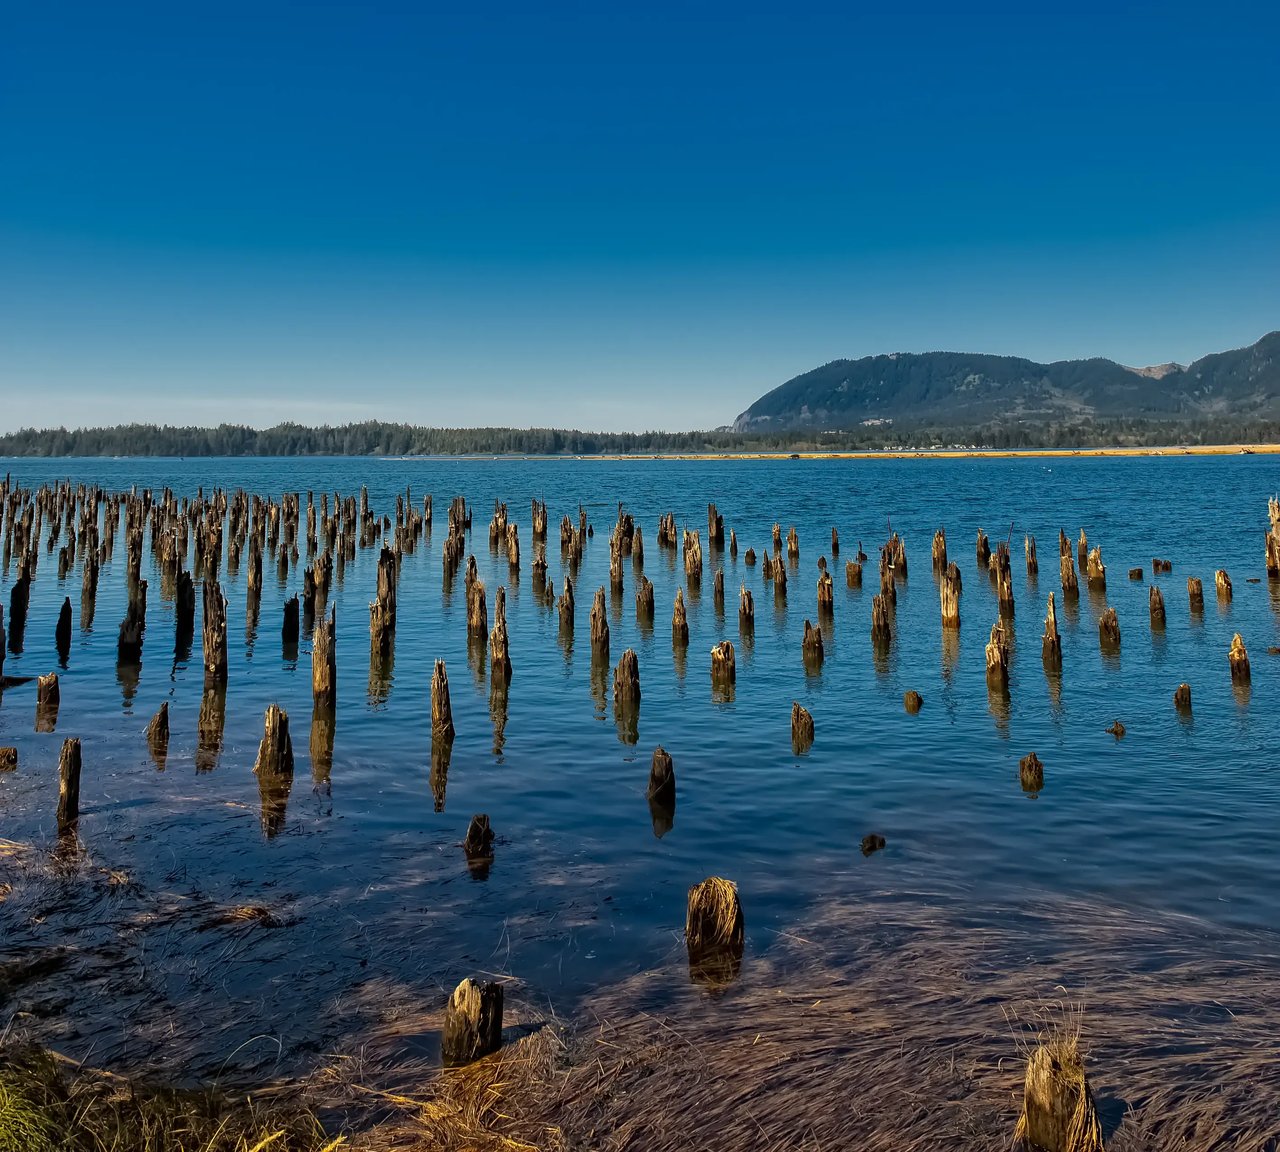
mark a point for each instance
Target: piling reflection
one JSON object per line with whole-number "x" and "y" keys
{"x": 324, "y": 722}
{"x": 213, "y": 718}
{"x": 441, "y": 755}
{"x": 273, "y": 794}
{"x": 499, "y": 693}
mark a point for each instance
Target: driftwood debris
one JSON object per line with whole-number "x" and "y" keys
{"x": 801, "y": 728}
{"x": 472, "y": 1023}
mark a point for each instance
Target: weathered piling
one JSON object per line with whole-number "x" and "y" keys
{"x": 1031, "y": 773}
{"x": 1273, "y": 537}
{"x": 441, "y": 712}
{"x": 895, "y": 552}
{"x": 1136, "y": 573}
{"x": 714, "y": 931}
{"x": 826, "y": 594}
{"x": 949, "y": 595}
{"x": 8, "y": 759}
{"x": 1082, "y": 551}
{"x": 769, "y": 567}
{"x": 48, "y": 698}
{"x": 998, "y": 657}
{"x": 538, "y": 517}
{"x": 793, "y": 544}
{"x": 939, "y": 551}
{"x": 811, "y": 645}
{"x": 749, "y": 557}
{"x": 600, "y": 625}
{"x": 881, "y": 626}
{"x": 888, "y": 586}
{"x": 801, "y": 728}
{"x": 1004, "y": 579}
{"x": 1029, "y": 546}
{"x": 158, "y": 734}
{"x": 499, "y": 654}
{"x": 472, "y": 1023}
{"x": 853, "y": 573}
{"x": 1109, "y": 630}
{"x": 1222, "y": 583}
{"x": 724, "y": 669}
{"x": 565, "y": 606}
{"x": 715, "y": 528}
{"x": 777, "y": 539}
{"x": 214, "y": 626}
{"x": 62, "y": 633}
{"x": 324, "y": 660}
{"x": 779, "y": 580}
{"x": 477, "y": 612}
{"x": 692, "y": 558}
{"x": 1182, "y": 698}
{"x": 1238, "y": 658}
{"x": 275, "y": 751}
{"x": 1156, "y": 599}
{"x": 717, "y": 594}
{"x": 982, "y": 551}
{"x": 667, "y": 530}
{"x": 644, "y": 600}
{"x": 626, "y": 680}
{"x": 1067, "y": 566}
{"x": 290, "y": 630}
{"x": 679, "y": 622}
{"x": 912, "y": 702}
{"x": 1195, "y": 594}
{"x": 835, "y": 543}
{"x": 1096, "y": 571}
{"x": 661, "y": 792}
{"x": 1159, "y": 566}
{"x": 68, "y": 785}
{"x": 1058, "y": 1112}
{"x": 746, "y": 610}
{"x": 1051, "y": 644}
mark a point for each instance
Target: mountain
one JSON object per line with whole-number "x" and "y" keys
{"x": 971, "y": 388}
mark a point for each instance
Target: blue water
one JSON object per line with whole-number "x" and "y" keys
{"x": 1178, "y": 816}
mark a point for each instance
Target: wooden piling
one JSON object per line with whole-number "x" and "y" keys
{"x": 626, "y": 680}
{"x": 477, "y": 613}
{"x": 1222, "y": 583}
{"x": 1096, "y": 571}
{"x": 749, "y": 557}
{"x": 62, "y": 634}
{"x": 644, "y": 600}
{"x": 793, "y": 544}
{"x": 1273, "y": 537}
{"x": 1031, "y": 773}
{"x": 1109, "y": 630}
{"x": 998, "y": 657}
{"x": 1156, "y": 599}
{"x": 811, "y": 645}
{"x": 215, "y": 633}
{"x": 1195, "y": 594}
{"x": 982, "y": 551}
{"x": 472, "y": 1023}
{"x": 835, "y": 543}
{"x": 912, "y": 702}
{"x": 565, "y": 607}
{"x": 801, "y": 728}
{"x": 949, "y": 595}
{"x": 826, "y": 595}
{"x": 661, "y": 792}
{"x": 881, "y": 628}
{"x": 600, "y": 625}
{"x": 746, "y": 610}
{"x": 275, "y": 751}
{"x": 724, "y": 669}
{"x": 1051, "y": 644}
{"x": 853, "y": 573}
{"x": 1182, "y": 698}
{"x": 68, "y": 786}
{"x": 714, "y": 931}
{"x": 158, "y": 734}
{"x": 679, "y": 622}
{"x": 1238, "y": 658}
{"x": 718, "y": 591}
{"x": 290, "y": 631}
{"x": 1082, "y": 551}
{"x": 939, "y": 551}
{"x": 1058, "y": 1112}
{"x": 499, "y": 654}
{"x": 324, "y": 660}
{"x": 1029, "y": 546}
{"x": 441, "y": 712}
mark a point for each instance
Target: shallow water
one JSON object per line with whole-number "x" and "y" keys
{"x": 1177, "y": 817}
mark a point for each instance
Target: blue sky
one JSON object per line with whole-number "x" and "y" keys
{"x": 607, "y": 216}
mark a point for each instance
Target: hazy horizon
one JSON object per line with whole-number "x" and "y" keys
{"x": 607, "y": 220}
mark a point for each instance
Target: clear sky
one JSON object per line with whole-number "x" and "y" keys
{"x": 612, "y": 216}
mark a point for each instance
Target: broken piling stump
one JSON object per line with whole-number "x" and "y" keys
{"x": 982, "y": 552}
{"x": 441, "y": 711}
{"x": 912, "y": 701}
{"x": 997, "y": 653}
{"x": 1182, "y": 698}
{"x": 801, "y": 728}
{"x": 1029, "y": 546}
{"x": 1136, "y": 573}
{"x": 1222, "y": 582}
{"x": 1156, "y": 599}
{"x": 1058, "y": 1112}
{"x": 478, "y": 843}
{"x": 949, "y": 595}
{"x": 939, "y": 551}
{"x": 679, "y": 622}
{"x": 746, "y": 610}
{"x": 1195, "y": 594}
{"x": 853, "y": 573}
{"x": 811, "y": 646}
{"x": 1096, "y": 571}
{"x": 275, "y": 751}
{"x": 48, "y": 698}
{"x": 565, "y": 606}
{"x": 68, "y": 785}
{"x": 62, "y": 634}
{"x": 158, "y": 735}
{"x": 1031, "y": 773}
{"x": 600, "y": 625}
{"x": 324, "y": 660}
{"x": 1051, "y": 644}
{"x": 826, "y": 595}
{"x": 472, "y": 1023}
{"x": 215, "y": 633}
{"x": 499, "y": 654}
{"x": 645, "y": 609}
{"x": 1109, "y": 630}
{"x": 714, "y": 931}
{"x": 626, "y": 680}
{"x": 662, "y": 779}
{"x": 881, "y": 629}
{"x": 1238, "y": 658}
{"x": 724, "y": 671}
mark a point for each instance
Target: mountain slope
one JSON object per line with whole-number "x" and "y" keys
{"x": 968, "y": 388}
